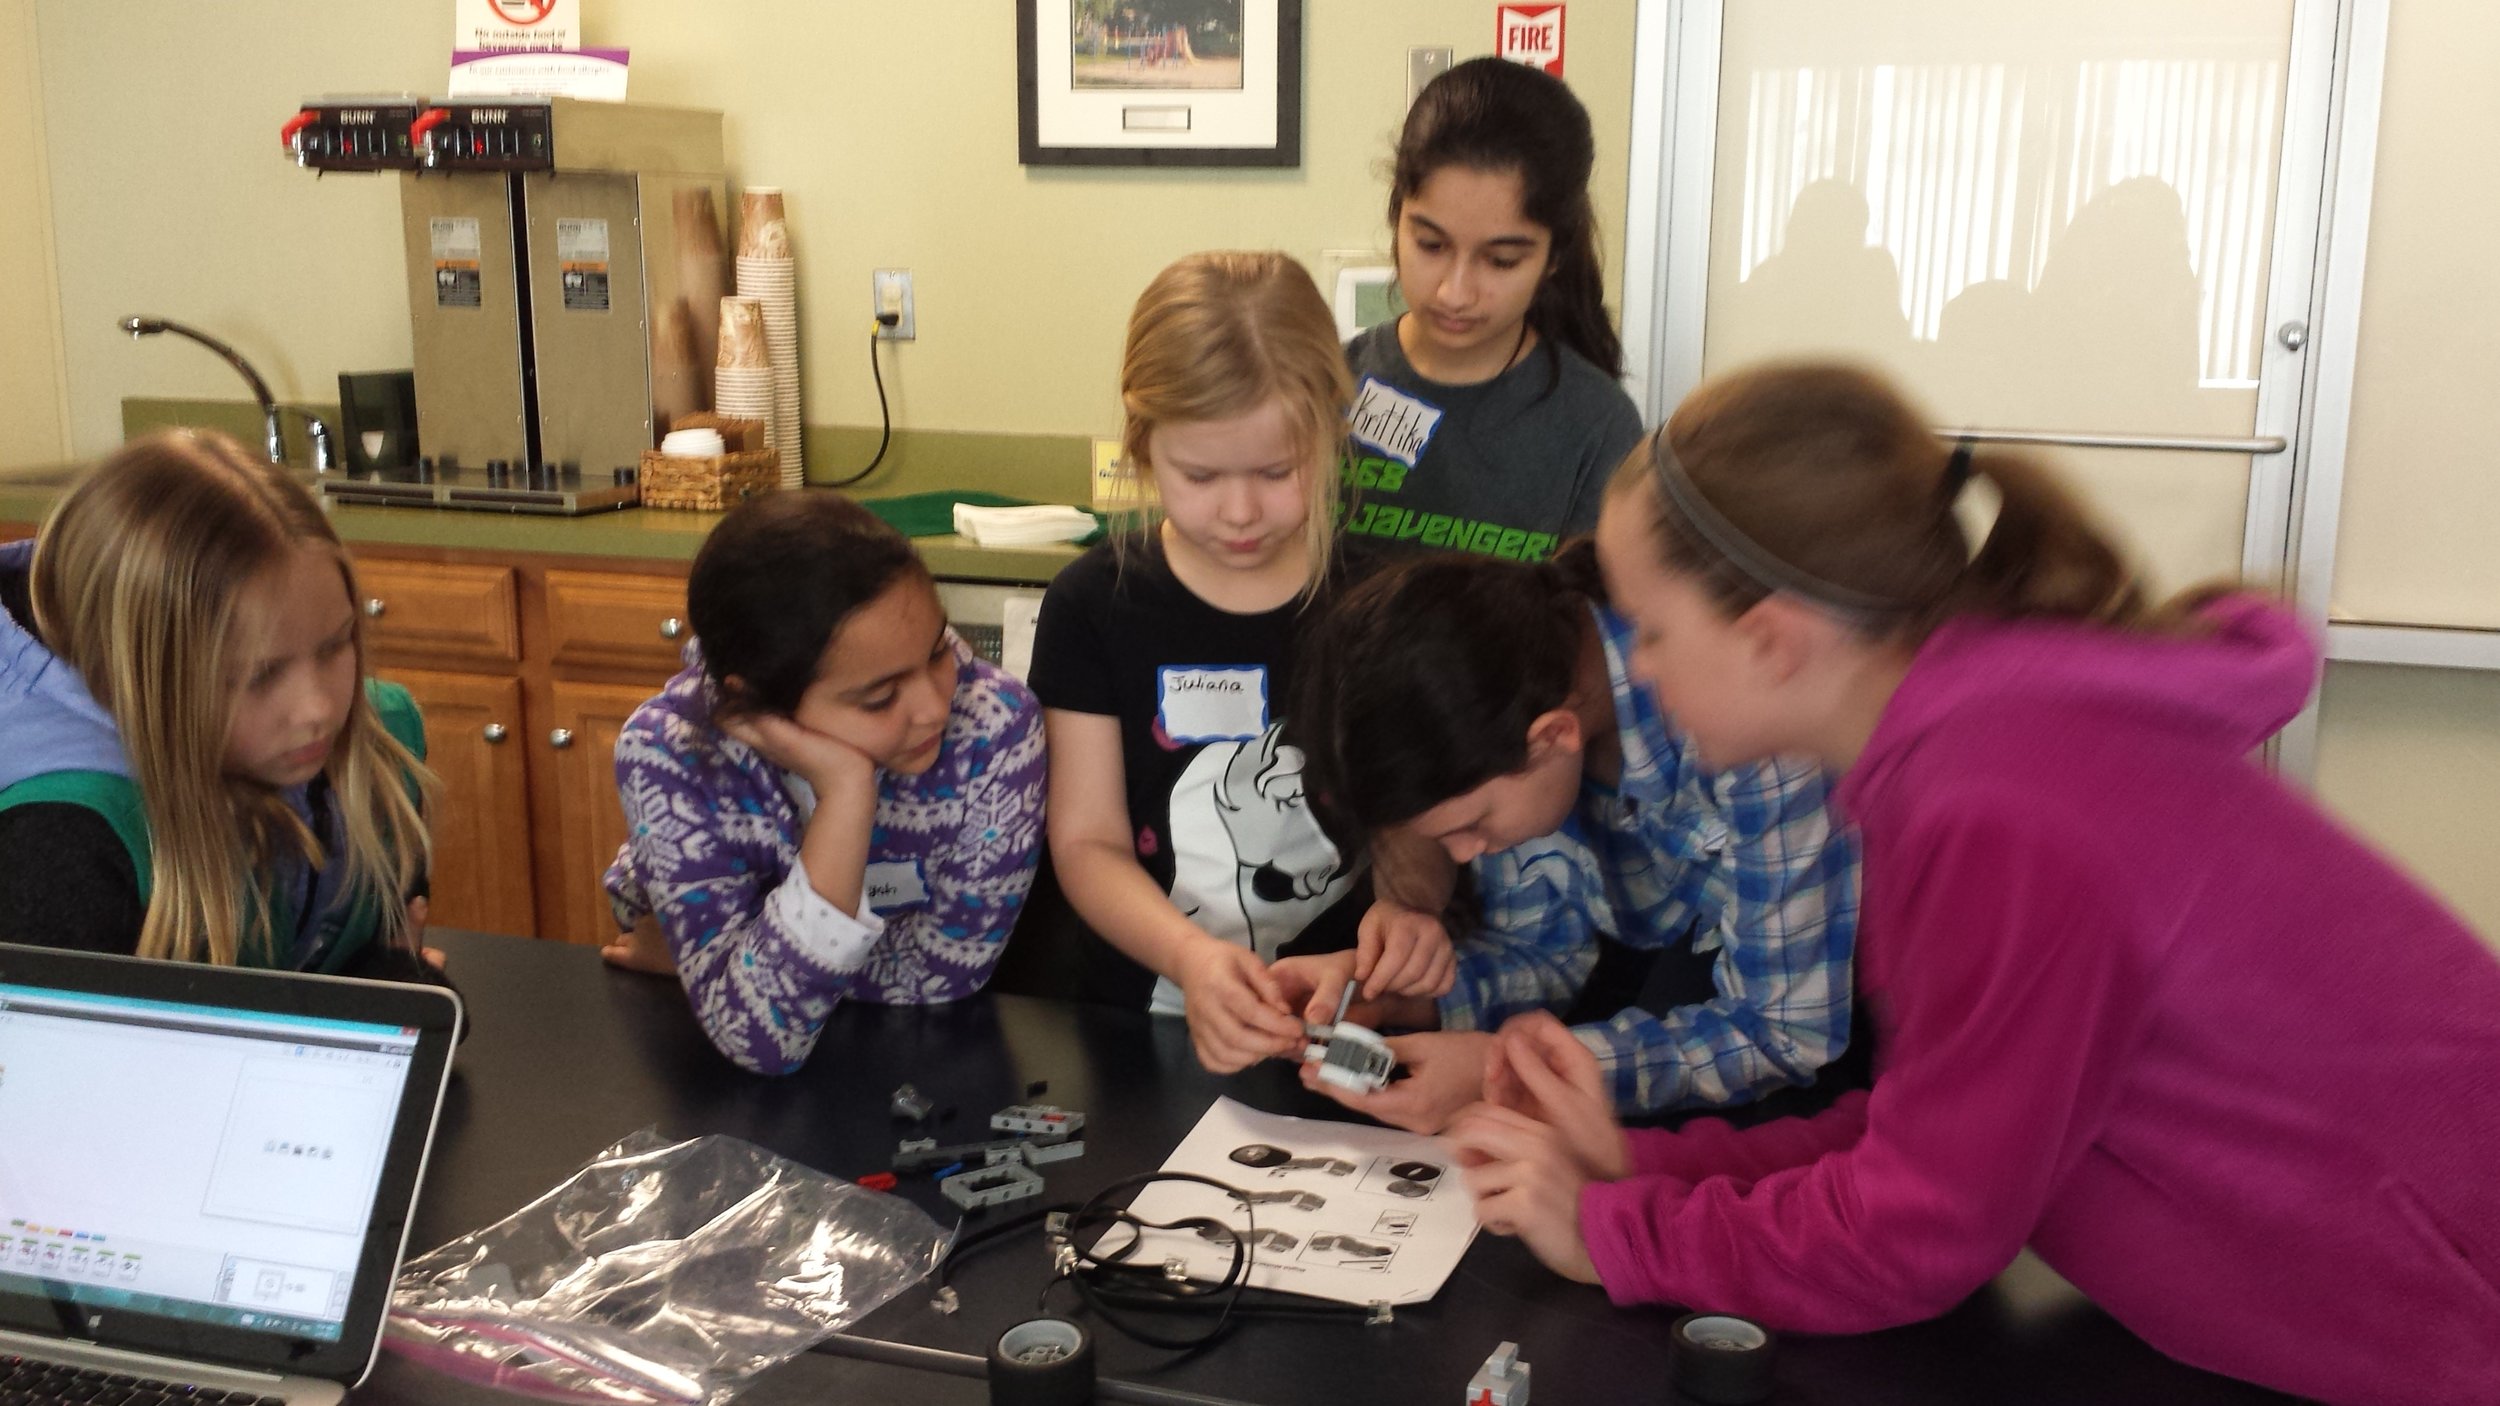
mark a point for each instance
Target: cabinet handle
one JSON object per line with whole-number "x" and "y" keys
{"x": 671, "y": 628}
{"x": 560, "y": 738}
{"x": 495, "y": 732}
{"x": 374, "y": 607}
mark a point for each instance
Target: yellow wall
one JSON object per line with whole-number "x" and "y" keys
{"x": 2422, "y": 474}
{"x": 893, "y": 130}
{"x": 2412, "y": 756}
{"x": 32, "y": 404}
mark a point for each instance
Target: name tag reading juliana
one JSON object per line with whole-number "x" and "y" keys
{"x": 892, "y": 884}
{"x": 1207, "y": 703}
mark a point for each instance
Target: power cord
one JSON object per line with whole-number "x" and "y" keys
{"x": 885, "y": 417}
{"x": 1116, "y": 1287}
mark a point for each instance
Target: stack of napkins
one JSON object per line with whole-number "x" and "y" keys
{"x": 1022, "y": 527}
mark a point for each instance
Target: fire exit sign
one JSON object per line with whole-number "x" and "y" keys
{"x": 1530, "y": 34}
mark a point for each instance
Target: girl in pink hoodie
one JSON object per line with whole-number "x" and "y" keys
{"x": 2136, "y": 1003}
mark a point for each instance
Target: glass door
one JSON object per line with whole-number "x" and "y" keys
{"x": 2087, "y": 228}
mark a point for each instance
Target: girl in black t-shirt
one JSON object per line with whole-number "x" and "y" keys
{"x": 1177, "y": 820}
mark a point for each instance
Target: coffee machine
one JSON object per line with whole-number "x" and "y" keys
{"x": 564, "y": 262}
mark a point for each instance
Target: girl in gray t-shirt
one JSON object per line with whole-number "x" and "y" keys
{"x": 1487, "y": 417}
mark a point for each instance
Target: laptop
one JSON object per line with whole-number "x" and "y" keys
{"x": 206, "y": 1174}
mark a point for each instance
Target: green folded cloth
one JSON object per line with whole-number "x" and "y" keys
{"x": 933, "y": 514}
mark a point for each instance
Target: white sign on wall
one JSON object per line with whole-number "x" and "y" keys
{"x": 517, "y": 24}
{"x": 1530, "y": 34}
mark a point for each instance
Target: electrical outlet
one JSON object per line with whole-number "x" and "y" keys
{"x": 889, "y": 292}
{"x": 1422, "y": 66}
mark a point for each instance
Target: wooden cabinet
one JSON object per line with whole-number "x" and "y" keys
{"x": 474, "y": 742}
{"x": 583, "y": 721}
{"x": 611, "y": 620}
{"x": 527, "y": 668}
{"x": 441, "y": 608}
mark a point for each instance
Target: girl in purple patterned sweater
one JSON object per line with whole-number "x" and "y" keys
{"x": 835, "y": 799}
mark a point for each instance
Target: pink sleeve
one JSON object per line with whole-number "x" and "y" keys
{"x": 1707, "y": 1147}
{"x": 2014, "y": 998}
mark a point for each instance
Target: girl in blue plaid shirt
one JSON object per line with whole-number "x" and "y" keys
{"x": 1485, "y": 706}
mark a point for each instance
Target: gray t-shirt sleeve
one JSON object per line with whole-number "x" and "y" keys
{"x": 1508, "y": 467}
{"x": 1616, "y": 431}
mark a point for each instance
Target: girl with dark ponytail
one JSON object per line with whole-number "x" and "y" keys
{"x": 1483, "y": 706}
{"x": 1489, "y": 414}
{"x": 2144, "y": 1008}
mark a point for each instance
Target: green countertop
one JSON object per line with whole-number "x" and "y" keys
{"x": 643, "y": 534}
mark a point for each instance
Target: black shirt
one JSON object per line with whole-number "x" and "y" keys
{"x": 1215, "y": 803}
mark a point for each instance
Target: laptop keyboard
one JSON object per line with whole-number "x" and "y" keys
{"x": 27, "y": 1382}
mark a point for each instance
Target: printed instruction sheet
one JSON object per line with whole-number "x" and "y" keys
{"x": 1344, "y": 1211}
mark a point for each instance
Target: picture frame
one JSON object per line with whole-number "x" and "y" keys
{"x": 1159, "y": 83}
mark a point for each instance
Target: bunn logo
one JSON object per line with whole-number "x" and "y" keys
{"x": 490, "y": 114}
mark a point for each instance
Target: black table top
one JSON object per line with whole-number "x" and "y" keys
{"x": 567, "y": 1056}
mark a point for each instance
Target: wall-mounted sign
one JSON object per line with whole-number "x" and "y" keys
{"x": 517, "y": 24}
{"x": 1530, "y": 34}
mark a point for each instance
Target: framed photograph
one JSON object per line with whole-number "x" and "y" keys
{"x": 1159, "y": 82}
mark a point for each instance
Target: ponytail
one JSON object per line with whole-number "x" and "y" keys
{"x": 2044, "y": 556}
{"x": 1419, "y": 684}
{"x": 1820, "y": 480}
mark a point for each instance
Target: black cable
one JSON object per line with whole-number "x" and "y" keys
{"x": 1115, "y": 1287}
{"x": 885, "y": 417}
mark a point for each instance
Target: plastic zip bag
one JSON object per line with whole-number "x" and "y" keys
{"x": 661, "y": 1272}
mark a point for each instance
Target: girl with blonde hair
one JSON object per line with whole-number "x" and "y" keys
{"x": 1178, "y": 824}
{"x": 198, "y": 767}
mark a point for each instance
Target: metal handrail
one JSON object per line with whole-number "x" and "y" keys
{"x": 2262, "y": 444}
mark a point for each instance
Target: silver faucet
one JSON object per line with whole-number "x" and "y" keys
{"x": 323, "y": 458}
{"x": 324, "y": 455}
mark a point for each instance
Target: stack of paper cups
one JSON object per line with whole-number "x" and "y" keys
{"x": 769, "y": 275}
{"x": 742, "y": 385}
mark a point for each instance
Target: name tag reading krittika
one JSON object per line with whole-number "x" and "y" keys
{"x": 1393, "y": 422}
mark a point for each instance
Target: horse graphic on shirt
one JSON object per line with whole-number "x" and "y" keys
{"x": 1250, "y": 862}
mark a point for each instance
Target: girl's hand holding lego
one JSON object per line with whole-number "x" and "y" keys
{"x": 1403, "y": 951}
{"x": 1313, "y": 984}
{"x": 826, "y": 763}
{"x": 1537, "y": 1067}
{"x": 1527, "y": 1183}
{"x": 1444, "y": 1073}
{"x": 1238, "y": 1014}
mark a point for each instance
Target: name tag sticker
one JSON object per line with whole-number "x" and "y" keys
{"x": 892, "y": 884}
{"x": 1201, "y": 703}
{"x": 1393, "y": 422}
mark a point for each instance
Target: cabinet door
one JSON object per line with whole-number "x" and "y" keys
{"x": 584, "y": 720}
{"x": 612, "y": 620}
{"x": 473, "y": 741}
{"x": 440, "y": 608}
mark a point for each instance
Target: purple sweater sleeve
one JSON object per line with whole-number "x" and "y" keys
{"x": 1709, "y": 1147}
{"x": 977, "y": 862}
{"x": 712, "y": 835}
{"x": 2008, "y": 1009}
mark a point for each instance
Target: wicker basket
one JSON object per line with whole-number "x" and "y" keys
{"x": 739, "y": 432}
{"x": 720, "y": 481}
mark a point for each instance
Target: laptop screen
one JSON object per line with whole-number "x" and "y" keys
{"x": 211, "y": 1163}
{"x": 191, "y": 1161}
